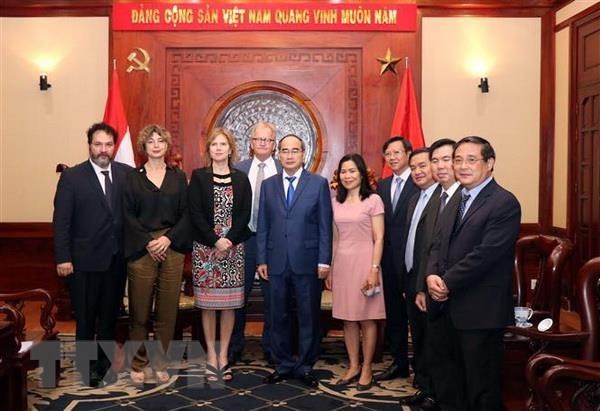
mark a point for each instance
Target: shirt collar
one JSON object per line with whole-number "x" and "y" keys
{"x": 429, "y": 190}
{"x": 297, "y": 174}
{"x": 269, "y": 162}
{"x": 405, "y": 175}
{"x": 474, "y": 192}
{"x": 450, "y": 191}
{"x": 98, "y": 169}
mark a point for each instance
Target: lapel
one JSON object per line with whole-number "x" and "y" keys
{"x": 403, "y": 195}
{"x": 412, "y": 205}
{"x": 280, "y": 189}
{"x": 304, "y": 177}
{"x": 386, "y": 185}
{"x": 95, "y": 183}
{"x": 433, "y": 204}
{"x": 479, "y": 201}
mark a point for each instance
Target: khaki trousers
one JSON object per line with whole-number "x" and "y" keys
{"x": 148, "y": 278}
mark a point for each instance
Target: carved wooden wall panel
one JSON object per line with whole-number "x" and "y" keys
{"x": 192, "y": 73}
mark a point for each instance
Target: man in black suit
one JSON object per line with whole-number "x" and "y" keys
{"x": 395, "y": 192}
{"x": 422, "y": 215}
{"x": 470, "y": 272}
{"x": 88, "y": 221}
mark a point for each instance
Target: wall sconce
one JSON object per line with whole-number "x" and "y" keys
{"x": 483, "y": 85}
{"x": 44, "y": 85}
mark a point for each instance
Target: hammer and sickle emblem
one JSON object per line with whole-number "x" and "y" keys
{"x": 139, "y": 65}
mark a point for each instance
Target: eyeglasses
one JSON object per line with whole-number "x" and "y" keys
{"x": 470, "y": 161}
{"x": 389, "y": 154}
{"x": 287, "y": 151}
{"x": 262, "y": 140}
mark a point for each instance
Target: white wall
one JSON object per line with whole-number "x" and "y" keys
{"x": 456, "y": 53}
{"x": 39, "y": 129}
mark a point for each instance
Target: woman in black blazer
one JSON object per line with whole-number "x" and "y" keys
{"x": 220, "y": 201}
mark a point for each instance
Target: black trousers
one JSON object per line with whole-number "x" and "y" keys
{"x": 396, "y": 321}
{"x": 96, "y": 298}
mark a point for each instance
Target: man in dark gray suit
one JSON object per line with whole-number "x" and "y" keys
{"x": 423, "y": 208}
{"x": 470, "y": 272}
{"x": 260, "y": 166}
{"x": 88, "y": 224}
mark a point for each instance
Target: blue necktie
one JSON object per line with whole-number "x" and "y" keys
{"x": 290, "y": 193}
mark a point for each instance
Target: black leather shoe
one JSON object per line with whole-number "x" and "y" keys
{"x": 275, "y": 377}
{"x": 415, "y": 399}
{"x": 94, "y": 379}
{"x": 309, "y": 380}
{"x": 429, "y": 404}
{"x": 343, "y": 382}
{"x": 393, "y": 371}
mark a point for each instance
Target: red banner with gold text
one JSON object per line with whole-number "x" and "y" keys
{"x": 264, "y": 16}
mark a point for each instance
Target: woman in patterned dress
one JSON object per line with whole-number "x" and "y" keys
{"x": 220, "y": 201}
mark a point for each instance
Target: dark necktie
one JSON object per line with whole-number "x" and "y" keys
{"x": 397, "y": 191}
{"x": 108, "y": 190}
{"x": 461, "y": 209}
{"x": 443, "y": 200}
{"x": 260, "y": 176}
{"x": 290, "y": 193}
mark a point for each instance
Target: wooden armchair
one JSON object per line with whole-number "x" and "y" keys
{"x": 551, "y": 255}
{"x": 16, "y": 376}
{"x": 548, "y": 375}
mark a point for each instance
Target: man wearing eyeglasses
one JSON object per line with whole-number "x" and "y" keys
{"x": 470, "y": 272}
{"x": 395, "y": 192}
{"x": 260, "y": 166}
{"x": 294, "y": 254}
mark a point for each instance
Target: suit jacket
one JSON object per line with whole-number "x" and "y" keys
{"x": 244, "y": 166}
{"x": 423, "y": 236}
{"x": 87, "y": 231}
{"x": 301, "y": 234}
{"x": 476, "y": 259}
{"x": 395, "y": 224}
{"x": 201, "y": 204}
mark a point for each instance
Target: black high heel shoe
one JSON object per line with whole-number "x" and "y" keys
{"x": 347, "y": 381}
{"x": 365, "y": 387}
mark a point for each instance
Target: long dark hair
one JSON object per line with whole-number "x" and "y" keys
{"x": 365, "y": 190}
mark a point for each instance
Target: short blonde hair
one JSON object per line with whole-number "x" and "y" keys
{"x": 220, "y": 131}
{"x": 147, "y": 132}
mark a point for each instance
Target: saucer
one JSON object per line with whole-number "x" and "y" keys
{"x": 524, "y": 325}
{"x": 545, "y": 325}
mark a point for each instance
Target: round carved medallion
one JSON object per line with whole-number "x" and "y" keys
{"x": 288, "y": 115}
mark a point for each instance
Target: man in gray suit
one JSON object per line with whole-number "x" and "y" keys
{"x": 260, "y": 166}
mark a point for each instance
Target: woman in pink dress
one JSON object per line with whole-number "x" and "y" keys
{"x": 355, "y": 279}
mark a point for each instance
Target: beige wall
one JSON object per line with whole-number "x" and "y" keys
{"x": 561, "y": 129}
{"x": 573, "y": 8}
{"x": 39, "y": 129}
{"x": 456, "y": 53}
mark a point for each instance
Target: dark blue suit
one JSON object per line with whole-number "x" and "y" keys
{"x": 237, "y": 337}
{"x": 292, "y": 242}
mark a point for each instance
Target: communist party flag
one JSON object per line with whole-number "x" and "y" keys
{"x": 406, "y": 121}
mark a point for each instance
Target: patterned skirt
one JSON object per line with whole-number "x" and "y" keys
{"x": 218, "y": 281}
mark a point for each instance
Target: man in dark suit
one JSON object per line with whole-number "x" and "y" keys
{"x": 395, "y": 192}
{"x": 294, "y": 254}
{"x": 422, "y": 215}
{"x": 260, "y": 166}
{"x": 470, "y": 272}
{"x": 88, "y": 223}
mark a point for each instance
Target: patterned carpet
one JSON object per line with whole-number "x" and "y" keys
{"x": 186, "y": 389}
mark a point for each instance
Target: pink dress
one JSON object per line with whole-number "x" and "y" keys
{"x": 352, "y": 261}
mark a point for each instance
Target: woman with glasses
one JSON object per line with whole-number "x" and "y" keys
{"x": 220, "y": 201}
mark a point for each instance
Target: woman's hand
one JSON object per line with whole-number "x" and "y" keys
{"x": 329, "y": 281}
{"x": 158, "y": 248}
{"x": 372, "y": 279}
{"x": 223, "y": 244}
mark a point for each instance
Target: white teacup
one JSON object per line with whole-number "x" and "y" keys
{"x": 522, "y": 314}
